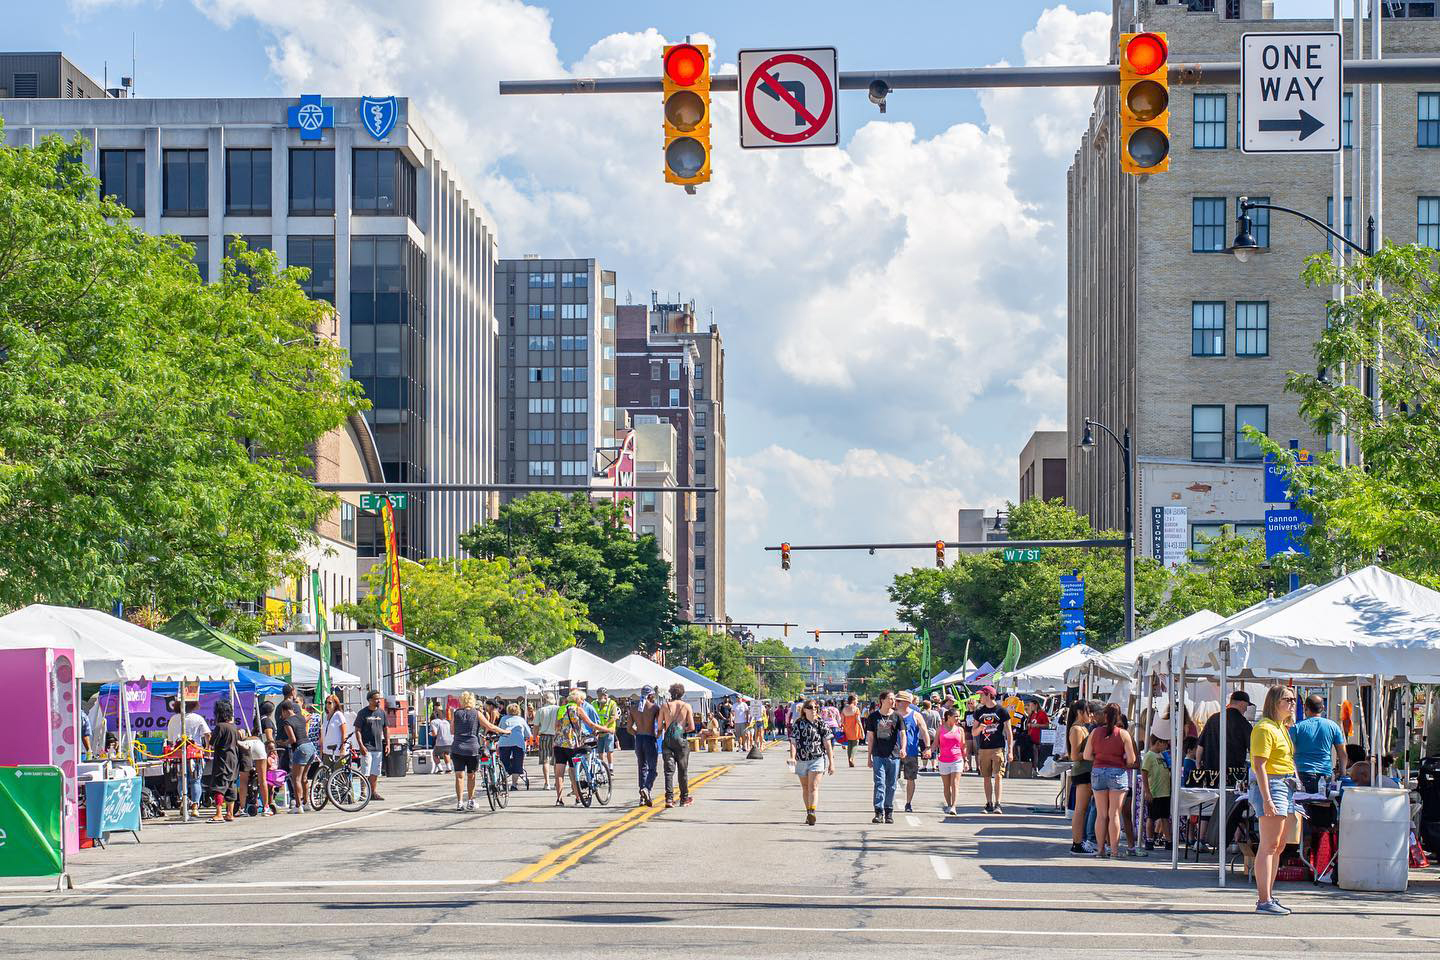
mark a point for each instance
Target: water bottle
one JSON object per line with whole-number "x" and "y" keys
{"x": 282, "y": 798}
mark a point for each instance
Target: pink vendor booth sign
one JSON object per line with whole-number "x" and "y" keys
{"x": 42, "y": 690}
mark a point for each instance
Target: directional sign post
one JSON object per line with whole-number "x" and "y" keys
{"x": 1290, "y": 92}
{"x": 788, "y": 98}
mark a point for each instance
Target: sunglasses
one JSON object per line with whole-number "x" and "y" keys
{"x": 1287, "y": 700}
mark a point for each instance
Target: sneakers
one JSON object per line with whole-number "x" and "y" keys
{"x": 810, "y": 818}
{"x": 1087, "y": 846}
{"x": 878, "y": 818}
{"x": 1137, "y": 853}
{"x": 1078, "y": 850}
{"x": 989, "y": 808}
{"x": 998, "y": 809}
{"x": 907, "y": 809}
{"x": 1273, "y": 908}
{"x": 645, "y": 799}
{"x": 470, "y": 804}
{"x": 687, "y": 801}
{"x": 889, "y": 817}
{"x": 459, "y": 805}
{"x": 949, "y": 811}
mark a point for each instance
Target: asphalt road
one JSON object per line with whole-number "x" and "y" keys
{"x": 737, "y": 874}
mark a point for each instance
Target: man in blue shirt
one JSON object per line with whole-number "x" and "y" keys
{"x": 1319, "y": 746}
{"x": 917, "y": 743}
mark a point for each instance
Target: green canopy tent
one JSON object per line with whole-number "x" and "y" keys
{"x": 188, "y": 628}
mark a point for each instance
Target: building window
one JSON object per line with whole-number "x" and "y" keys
{"x": 699, "y": 562}
{"x": 575, "y": 311}
{"x": 312, "y": 183}
{"x": 609, "y": 415}
{"x": 123, "y": 177}
{"x": 647, "y": 529}
{"x": 383, "y": 184}
{"x": 1202, "y": 533}
{"x": 699, "y": 607}
{"x": 247, "y": 183}
{"x": 575, "y": 437}
{"x": 674, "y": 398}
{"x": 699, "y": 588}
{"x": 1427, "y": 222}
{"x": 1347, "y": 120}
{"x": 1259, "y": 221}
{"x": 700, "y": 466}
{"x": 547, "y": 280}
{"x": 567, "y": 279}
{"x": 700, "y": 514}
{"x": 1257, "y": 416}
{"x": 607, "y": 352}
{"x": 699, "y": 538}
{"x": 316, "y": 254}
{"x": 542, "y": 468}
{"x": 574, "y": 374}
{"x": 674, "y": 369}
{"x": 537, "y": 342}
{"x": 699, "y": 418}
{"x": 1208, "y": 230}
{"x": 1207, "y": 432}
{"x": 575, "y": 405}
{"x": 201, "y": 256}
{"x": 608, "y": 321}
{"x": 580, "y": 342}
{"x": 607, "y": 382}
{"x": 699, "y": 372}
{"x": 187, "y": 183}
{"x": 655, "y": 371}
{"x": 1330, "y": 220}
{"x": 700, "y": 442}
{"x": 698, "y": 393}
{"x": 1252, "y": 328}
{"x": 347, "y": 521}
{"x": 647, "y": 502}
{"x": 654, "y": 398}
{"x": 1427, "y": 120}
{"x": 538, "y": 437}
{"x": 541, "y": 404}
{"x": 1209, "y": 133}
{"x": 534, "y": 282}
{"x": 542, "y": 375}
{"x": 1207, "y": 328}
{"x": 574, "y": 468}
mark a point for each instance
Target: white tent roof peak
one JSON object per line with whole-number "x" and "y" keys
{"x": 661, "y": 678}
{"x": 491, "y": 678}
{"x": 1047, "y": 675}
{"x": 110, "y": 649}
{"x": 581, "y": 666}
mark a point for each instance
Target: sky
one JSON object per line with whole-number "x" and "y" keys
{"x": 893, "y": 309}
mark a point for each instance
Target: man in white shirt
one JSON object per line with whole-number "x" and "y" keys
{"x": 440, "y": 739}
{"x": 197, "y": 731}
{"x": 741, "y": 714}
{"x": 545, "y": 719}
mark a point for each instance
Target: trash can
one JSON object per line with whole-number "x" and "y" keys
{"x": 397, "y": 761}
{"x": 1374, "y": 839}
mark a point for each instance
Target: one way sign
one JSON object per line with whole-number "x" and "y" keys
{"x": 1290, "y": 92}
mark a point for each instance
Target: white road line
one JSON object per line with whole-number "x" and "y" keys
{"x": 259, "y": 843}
{"x": 1289, "y": 937}
{"x": 942, "y": 869}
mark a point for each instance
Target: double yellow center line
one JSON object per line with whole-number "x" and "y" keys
{"x": 563, "y": 858}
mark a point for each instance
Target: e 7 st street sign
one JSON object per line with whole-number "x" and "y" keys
{"x": 1291, "y": 90}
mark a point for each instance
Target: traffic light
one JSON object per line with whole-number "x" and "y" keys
{"x": 940, "y": 554}
{"x": 1144, "y": 103}
{"x": 817, "y": 635}
{"x": 784, "y": 556}
{"x": 687, "y": 114}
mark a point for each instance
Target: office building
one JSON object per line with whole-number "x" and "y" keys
{"x": 1042, "y": 466}
{"x": 46, "y": 76}
{"x": 359, "y": 192}
{"x": 556, "y": 370}
{"x": 1173, "y": 337}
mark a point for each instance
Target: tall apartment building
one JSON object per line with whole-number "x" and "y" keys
{"x": 359, "y": 192}
{"x": 556, "y": 369}
{"x": 1172, "y": 336}
{"x": 672, "y": 372}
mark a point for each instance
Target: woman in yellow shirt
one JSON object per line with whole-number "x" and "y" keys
{"x": 1272, "y": 786}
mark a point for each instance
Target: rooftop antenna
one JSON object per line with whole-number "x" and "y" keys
{"x": 131, "y": 84}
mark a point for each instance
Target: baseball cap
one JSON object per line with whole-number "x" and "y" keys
{"x": 1240, "y": 695}
{"x": 646, "y": 690}
{"x": 988, "y": 690}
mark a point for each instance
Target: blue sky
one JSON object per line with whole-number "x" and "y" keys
{"x": 893, "y": 309}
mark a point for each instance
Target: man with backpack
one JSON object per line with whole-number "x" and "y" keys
{"x": 677, "y": 722}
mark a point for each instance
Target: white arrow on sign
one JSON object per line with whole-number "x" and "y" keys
{"x": 1291, "y": 89}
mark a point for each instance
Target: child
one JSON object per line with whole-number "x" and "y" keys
{"x": 1188, "y": 766}
{"x": 1156, "y": 768}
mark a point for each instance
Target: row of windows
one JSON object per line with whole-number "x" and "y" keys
{"x": 1209, "y": 130}
{"x": 567, "y": 404}
{"x": 1207, "y": 431}
{"x": 656, "y": 397}
{"x": 657, "y": 369}
{"x": 1210, "y": 225}
{"x": 568, "y": 468}
{"x": 1252, "y": 328}
{"x": 382, "y": 184}
{"x": 539, "y": 280}
{"x": 568, "y": 311}
{"x": 547, "y": 437}
{"x": 567, "y": 342}
{"x": 567, "y": 374}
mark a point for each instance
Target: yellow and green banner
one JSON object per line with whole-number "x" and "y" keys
{"x": 392, "y": 613}
{"x": 322, "y": 627}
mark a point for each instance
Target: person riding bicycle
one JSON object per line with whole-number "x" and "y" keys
{"x": 575, "y": 717}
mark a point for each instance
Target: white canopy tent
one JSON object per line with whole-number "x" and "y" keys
{"x": 661, "y": 678}
{"x": 305, "y": 669}
{"x": 109, "y": 649}
{"x": 489, "y": 679}
{"x": 529, "y": 670}
{"x": 1047, "y": 675}
{"x": 1120, "y": 663}
{"x": 580, "y": 666}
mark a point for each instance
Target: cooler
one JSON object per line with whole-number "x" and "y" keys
{"x": 1374, "y": 839}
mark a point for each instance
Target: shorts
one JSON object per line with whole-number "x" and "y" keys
{"x": 465, "y": 764}
{"x": 547, "y": 745}
{"x": 1314, "y": 782}
{"x": 371, "y": 763}
{"x": 301, "y": 754}
{"x": 806, "y": 767}
{"x": 910, "y": 767}
{"x": 954, "y": 766}
{"x": 991, "y": 762}
{"x": 607, "y": 743}
{"x": 442, "y": 751}
{"x": 564, "y": 755}
{"x": 1282, "y": 791}
{"x": 1080, "y": 779}
{"x": 740, "y": 729}
{"x": 282, "y": 758}
{"x": 514, "y": 760}
{"x": 1159, "y": 808}
{"x": 1109, "y": 778}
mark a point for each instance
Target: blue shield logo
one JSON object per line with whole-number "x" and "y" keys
{"x": 310, "y": 116}
{"x": 378, "y": 114}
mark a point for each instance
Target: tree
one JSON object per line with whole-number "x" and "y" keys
{"x": 155, "y": 447}
{"x": 472, "y": 610}
{"x": 1230, "y": 575}
{"x": 718, "y": 656}
{"x": 581, "y": 550}
{"x": 781, "y": 675}
{"x": 889, "y": 662}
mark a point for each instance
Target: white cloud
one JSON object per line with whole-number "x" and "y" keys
{"x": 880, "y": 295}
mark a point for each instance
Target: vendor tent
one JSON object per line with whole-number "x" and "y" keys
{"x": 529, "y": 670}
{"x": 1047, "y": 675}
{"x": 714, "y": 686}
{"x": 109, "y": 648}
{"x": 188, "y": 628}
{"x": 980, "y": 674}
{"x": 661, "y": 679}
{"x": 248, "y": 681}
{"x": 305, "y": 669}
{"x": 580, "y": 666}
{"x": 1120, "y": 663}
{"x": 489, "y": 679}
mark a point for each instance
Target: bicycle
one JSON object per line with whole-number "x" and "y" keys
{"x": 339, "y": 782}
{"x": 592, "y": 777}
{"x": 494, "y": 777}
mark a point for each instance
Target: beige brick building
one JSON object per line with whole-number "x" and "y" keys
{"x": 1170, "y": 335}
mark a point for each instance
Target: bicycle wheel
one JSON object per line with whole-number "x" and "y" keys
{"x": 601, "y": 789}
{"x": 488, "y": 772}
{"x": 582, "y": 784}
{"x": 317, "y": 788}
{"x": 502, "y": 786}
{"x": 349, "y": 790}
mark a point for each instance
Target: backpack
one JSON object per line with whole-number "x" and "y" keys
{"x": 675, "y": 734}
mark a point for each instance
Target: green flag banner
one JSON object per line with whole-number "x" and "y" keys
{"x": 32, "y": 843}
{"x": 322, "y": 681}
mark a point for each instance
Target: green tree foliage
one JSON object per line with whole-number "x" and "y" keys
{"x": 718, "y": 656}
{"x": 579, "y": 548}
{"x": 473, "y": 610}
{"x": 157, "y": 430}
{"x": 782, "y": 675}
{"x": 834, "y": 664}
{"x": 889, "y": 662}
{"x": 1231, "y": 575}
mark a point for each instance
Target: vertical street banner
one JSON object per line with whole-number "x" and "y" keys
{"x": 392, "y": 613}
{"x": 322, "y": 628}
{"x": 1170, "y": 535}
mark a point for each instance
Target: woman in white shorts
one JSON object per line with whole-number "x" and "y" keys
{"x": 950, "y": 748}
{"x": 812, "y": 751}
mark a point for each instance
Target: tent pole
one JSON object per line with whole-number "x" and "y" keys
{"x": 1376, "y": 732}
{"x": 1222, "y": 808}
{"x": 1177, "y": 759}
{"x": 184, "y": 759}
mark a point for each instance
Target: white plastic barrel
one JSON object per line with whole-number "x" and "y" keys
{"x": 1374, "y": 839}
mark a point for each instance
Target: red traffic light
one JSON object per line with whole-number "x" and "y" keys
{"x": 1146, "y": 53}
{"x": 684, "y": 64}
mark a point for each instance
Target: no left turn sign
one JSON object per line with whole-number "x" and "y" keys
{"x": 788, "y": 98}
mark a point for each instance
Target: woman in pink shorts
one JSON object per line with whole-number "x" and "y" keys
{"x": 950, "y": 743}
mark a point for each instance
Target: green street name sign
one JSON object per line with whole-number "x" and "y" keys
{"x": 376, "y": 501}
{"x": 1021, "y": 554}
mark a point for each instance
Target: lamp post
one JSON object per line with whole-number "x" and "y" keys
{"x": 1245, "y": 245}
{"x": 1087, "y": 445}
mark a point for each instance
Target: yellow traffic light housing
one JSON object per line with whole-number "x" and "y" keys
{"x": 686, "y": 78}
{"x": 1144, "y": 103}
{"x": 940, "y": 554}
{"x": 784, "y": 556}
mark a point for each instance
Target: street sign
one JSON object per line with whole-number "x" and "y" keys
{"x": 1290, "y": 92}
{"x": 1020, "y": 554}
{"x": 1072, "y": 619}
{"x": 1072, "y": 591}
{"x": 1068, "y": 638}
{"x": 376, "y": 501}
{"x": 1285, "y": 532}
{"x": 1277, "y": 480}
{"x": 788, "y": 98}
{"x": 862, "y": 636}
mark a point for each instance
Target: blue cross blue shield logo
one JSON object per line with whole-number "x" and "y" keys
{"x": 310, "y": 117}
{"x": 379, "y": 115}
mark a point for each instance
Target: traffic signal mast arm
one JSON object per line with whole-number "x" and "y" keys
{"x": 954, "y": 545}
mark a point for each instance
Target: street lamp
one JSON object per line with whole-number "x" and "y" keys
{"x": 1245, "y": 245}
{"x": 1087, "y": 445}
